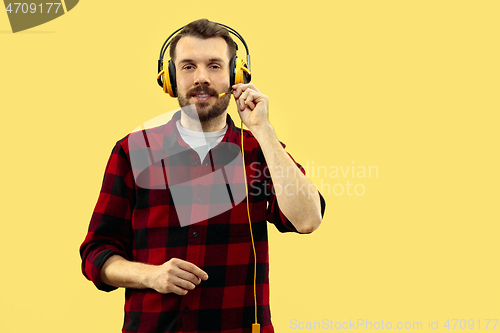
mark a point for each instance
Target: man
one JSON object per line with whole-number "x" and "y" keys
{"x": 198, "y": 275}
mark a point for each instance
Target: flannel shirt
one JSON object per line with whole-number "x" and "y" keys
{"x": 135, "y": 217}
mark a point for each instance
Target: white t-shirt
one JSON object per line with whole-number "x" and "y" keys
{"x": 201, "y": 142}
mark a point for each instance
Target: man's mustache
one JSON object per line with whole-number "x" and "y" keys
{"x": 201, "y": 89}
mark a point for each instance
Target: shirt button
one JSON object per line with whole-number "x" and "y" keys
{"x": 198, "y": 198}
{"x": 195, "y": 234}
{"x": 194, "y": 164}
{"x": 206, "y": 163}
{"x": 186, "y": 309}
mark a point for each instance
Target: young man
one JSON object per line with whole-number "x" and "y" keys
{"x": 198, "y": 275}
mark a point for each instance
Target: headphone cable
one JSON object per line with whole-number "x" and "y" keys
{"x": 256, "y": 325}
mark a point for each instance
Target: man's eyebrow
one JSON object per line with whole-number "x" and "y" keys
{"x": 215, "y": 60}
{"x": 183, "y": 61}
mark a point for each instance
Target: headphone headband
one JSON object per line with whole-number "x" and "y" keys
{"x": 166, "y": 44}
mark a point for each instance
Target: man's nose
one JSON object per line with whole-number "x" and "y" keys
{"x": 201, "y": 77}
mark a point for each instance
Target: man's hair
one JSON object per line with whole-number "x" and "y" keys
{"x": 204, "y": 29}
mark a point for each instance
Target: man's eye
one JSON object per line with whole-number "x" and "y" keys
{"x": 214, "y": 66}
{"x": 188, "y": 67}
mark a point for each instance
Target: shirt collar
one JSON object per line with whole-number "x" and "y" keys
{"x": 172, "y": 135}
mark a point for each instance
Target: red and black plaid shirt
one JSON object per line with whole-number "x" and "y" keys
{"x": 135, "y": 217}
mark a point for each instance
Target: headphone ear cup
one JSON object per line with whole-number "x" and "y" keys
{"x": 170, "y": 84}
{"x": 232, "y": 70}
{"x": 241, "y": 74}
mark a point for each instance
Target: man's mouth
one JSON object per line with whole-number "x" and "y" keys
{"x": 202, "y": 97}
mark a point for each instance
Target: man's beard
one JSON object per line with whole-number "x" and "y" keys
{"x": 203, "y": 112}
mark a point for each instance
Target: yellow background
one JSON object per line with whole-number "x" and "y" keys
{"x": 410, "y": 87}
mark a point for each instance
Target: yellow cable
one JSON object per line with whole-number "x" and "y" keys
{"x": 256, "y": 326}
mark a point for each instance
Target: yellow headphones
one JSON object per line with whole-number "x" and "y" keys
{"x": 239, "y": 68}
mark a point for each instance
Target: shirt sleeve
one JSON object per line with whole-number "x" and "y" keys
{"x": 110, "y": 230}
{"x": 274, "y": 213}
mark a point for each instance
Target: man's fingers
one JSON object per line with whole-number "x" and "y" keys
{"x": 247, "y": 103}
{"x": 177, "y": 290}
{"x": 192, "y": 268}
{"x": 248, "y": 98}
{"x": 239, "y": 88}
{"x": 188, "y": 276}
{"x": 183, "y": 284}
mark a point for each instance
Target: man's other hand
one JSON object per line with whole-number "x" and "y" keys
{"x": 175, "y": 276}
